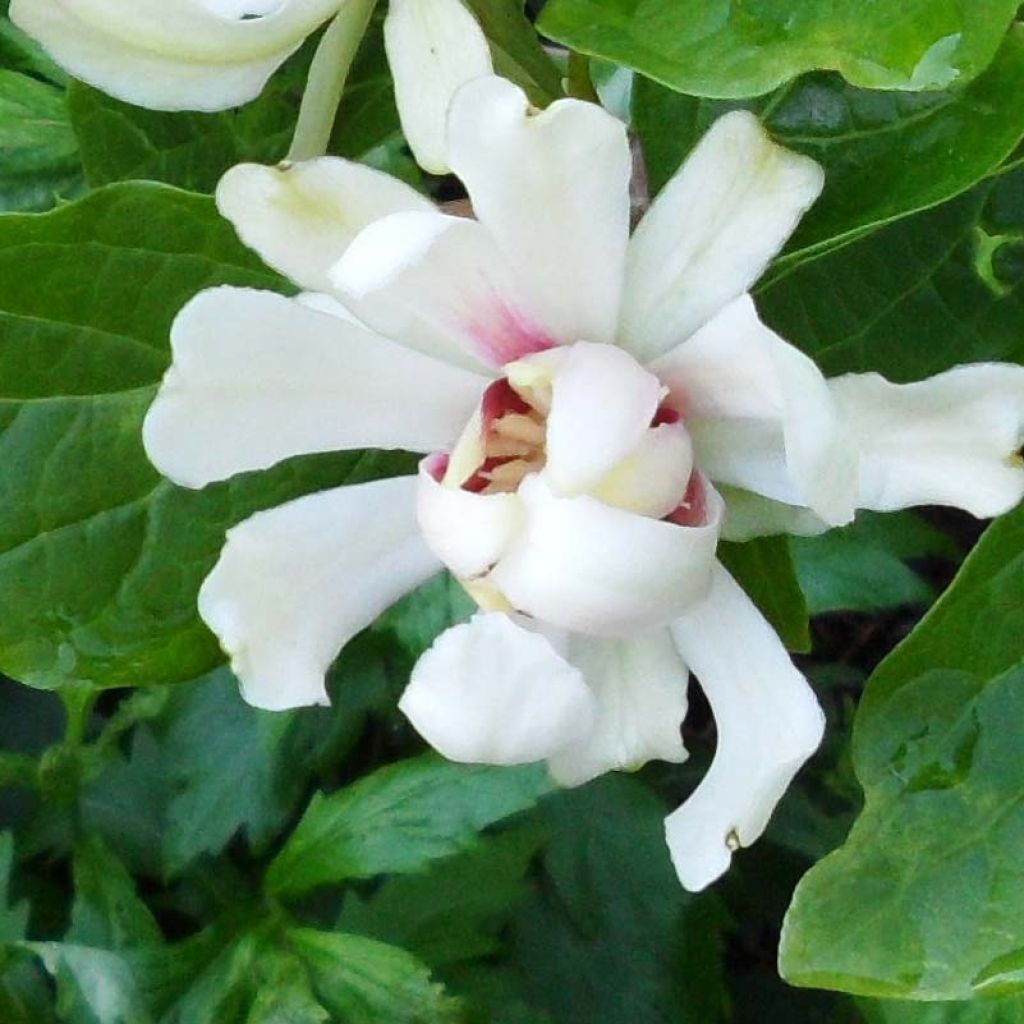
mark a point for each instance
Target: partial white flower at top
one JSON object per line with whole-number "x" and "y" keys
{"x": 213, "y": 54}
{"x": 585, "y": 401}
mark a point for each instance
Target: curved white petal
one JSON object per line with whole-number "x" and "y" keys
{"x": 301, "y": 217}
{"x": 491, "y": 692}
{"x": 439, "y": 284}
{"x": 712, "y": 231}
{"x": 584, "y": 566}
{"x": 954, "y": 439}
{"x": 193, "y": 55}
{"x": 640, "y": 686}
{"x": 468, "y": 532}
{"x": 258, "y": 378}
{"x": 553, "y": 190}
{"x": 652, "y": 479}
{"x": 761, "y": 414}
{"x": 602, "y": 404}
{"x": 769, "y": 723}
{"x": 433, "y": 47}
{"x": 749, "y": 515}
{"x": 294, "y": 584}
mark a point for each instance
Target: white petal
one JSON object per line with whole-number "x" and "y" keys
{"x": 491, "y": 692}
{"x": 584, "y": 566}
{"x": 468, "y": 532}
{"x": 553, "y": 189}
{"x": 301, "y": 217}
{"x": 640, "y": 686}
{"x": 181, "y": 56}
{"x": 652, "y": 479}
{"x": 294, "y": 584}
{"x": 954, "y": 439}
{"x": 439, "y": 284}
{"x": 769, "y": 723}
{"x": 712, "y": 231}
{"x": 433, "y": 47}
{"x": 761, "y": 414}
{"x": 258, "y": 378}
{"x": 749, "y": 515}
{"x": 602, "y": 404}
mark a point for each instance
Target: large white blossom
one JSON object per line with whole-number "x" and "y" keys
{"x": 213, "y": 54}
{"x": 595, "y": 411}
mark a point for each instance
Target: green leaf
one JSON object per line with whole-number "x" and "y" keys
{"x": 452, "y": 911}
{"x": 764, "y": 568}
{"x": 517, "y": 52}
{"x": 94, "y": 986}
{"x": 127, "y": 805}
{"x": 13, "y": 919}
{"x": 707, "y": 48}
{"x": 107, "y": 912}
{"x": 416, "y": 621}
{"x": 209, "y": 978}
{"x": 100, "y": 558}
{"x": 25, "y": 996}
{"x": 926, "y": 898}
{"x": 39, "y": 160}
{"x": 230, "y": 767}
{"x": 609, "y": 935}
{"x": 122, "y": 142}
{"x": 283, "y": 993}
{"x": 916, "y": 298}
{"x": 862, "y": 567}
{"x": 361, "y": 981}
{"x": 982, "y": 1011}
{"x": 862, "y": 139}
{"x": 399, "y": 819}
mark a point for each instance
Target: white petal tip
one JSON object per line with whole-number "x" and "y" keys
{"x": 491, "y": 692}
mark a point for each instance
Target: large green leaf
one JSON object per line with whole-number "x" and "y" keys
{"x": 926, "y": 898}
{"x": 724, "y": 49}
{"x": 121, "y": 142}
{"x": 980, "y": 1011}
{"x": 399, "y": 819}
{"x": 885, "y": 154}
{"x": 916, "y": 298}
{"x": 100, "y": 558}
{"x": 39, "y": 160}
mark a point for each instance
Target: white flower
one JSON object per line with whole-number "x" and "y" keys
{"x": 579, "y": 391}
{"x": 214, "y": 54}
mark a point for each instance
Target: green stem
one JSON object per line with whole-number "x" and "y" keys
{"x": 326, "y": 82}
{"x": 78, "y": 700}
{"x": 578, "y": 82}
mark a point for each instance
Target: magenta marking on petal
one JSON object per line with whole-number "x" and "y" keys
{"x": 436, "y": 465}
{"x": 504, "y": 335}
{"x": 693, "y": 509}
